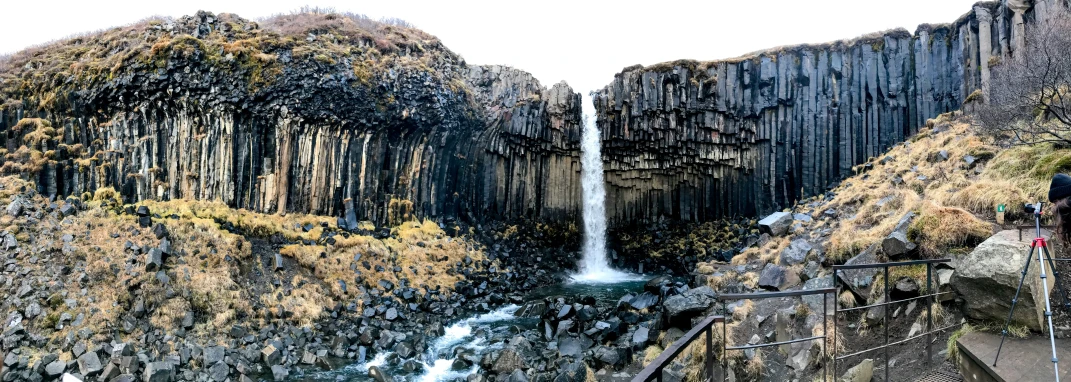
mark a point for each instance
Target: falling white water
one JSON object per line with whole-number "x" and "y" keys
{"x": 594, "y": 267}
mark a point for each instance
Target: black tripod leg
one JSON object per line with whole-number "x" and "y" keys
{"x": 1004, "y": 332}
{"x": 1056, "y": 277}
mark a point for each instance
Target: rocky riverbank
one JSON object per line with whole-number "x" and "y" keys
{"x": 186, "y": 290}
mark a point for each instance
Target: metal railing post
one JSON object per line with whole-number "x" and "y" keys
{"x": 888, "y": 300}
{"x": 929, "y": 314}
{"x": 825, "y": 333}
{"x": 836, "y": 319}
{"x": 710, "y": 353}
{"x": 724, "y": 345}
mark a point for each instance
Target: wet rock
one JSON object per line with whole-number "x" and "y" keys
{"x": 517, "y": 376}
{"x": 507, "y": 361}
{"x": 776, "y": 224}
{"x": 279, "y": 372}
{"x": 643, "y": 301}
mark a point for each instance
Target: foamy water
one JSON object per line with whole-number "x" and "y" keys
{"x": 460, "y": 335}
{"x": 594, "y": 267}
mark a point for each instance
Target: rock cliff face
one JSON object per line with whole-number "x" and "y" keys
{"x": 699, "y": 140}
{"x": 302, "y": 115}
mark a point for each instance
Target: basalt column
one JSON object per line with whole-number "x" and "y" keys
{"x": 700, "y": 140}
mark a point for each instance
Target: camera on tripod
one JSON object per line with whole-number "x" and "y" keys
{"x": 1032, "y": 208}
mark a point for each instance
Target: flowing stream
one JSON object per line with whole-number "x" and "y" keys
{"x": 480, "y": 334}
{"x": 594, "y": 266}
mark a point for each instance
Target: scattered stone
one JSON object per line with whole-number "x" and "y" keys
{"x": 279, "y": 372}
{"x": 863, "y": 372}
{"x": 508, "y": 360}
{"x": 776, "y": 224}
{"x": 89, "y": 364}
{"x": 772, "y": 277}
{"x": 159, "y": 372}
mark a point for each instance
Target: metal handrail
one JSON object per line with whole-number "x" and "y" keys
{"x": 653, "y": 371}
{"x": 765, "y": 295}
{"x": 885, "y": 323}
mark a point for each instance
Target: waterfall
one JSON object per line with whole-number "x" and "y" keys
{"x": 594, "y": 266}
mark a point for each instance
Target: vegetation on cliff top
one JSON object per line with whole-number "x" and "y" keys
{"x": 42, "y": 75}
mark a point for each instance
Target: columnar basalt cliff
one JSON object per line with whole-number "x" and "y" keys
{"x": 306, "y": 114}
{"x": 700, "y": 140}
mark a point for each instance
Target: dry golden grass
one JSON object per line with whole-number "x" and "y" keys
{"x": 846, "y": 299}
{"x": 938, "y": 229}
{"x": 741, "y": 311}
{"x": 952, "y": 199}
{"x": 249, "y": 222}
{"x": 650, "y": 353}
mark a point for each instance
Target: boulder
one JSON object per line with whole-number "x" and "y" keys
{"x": 796, "y": 253}
{"x": 643, "y": 301}
{"x": 507, "y": 361}
{"x": 897, "y": 244}
{"x": 861, "y": 280}
{"x": 218, "y": 372}
{"x": 14, "y": 209}
{"x": 681, "y": 308}
{"x": 270, "y": 355}
{"x": 154, "y": 260}
{"x": 863, "y": 372}
{"x": 89, "y": 364}
{"x": 279, "y": 372}
{"x": 988, "y": 276}
{"x": 159, "y": 372}
{"x": 212, "y": 355}
{"x": 610, "y": 356}
{"x": 814, "y": 301}
{"x": 378, "y": 375}
{"x": 641, "y": 337}
{"x": 772, "y": 277}
{"x": 776, "y": 224}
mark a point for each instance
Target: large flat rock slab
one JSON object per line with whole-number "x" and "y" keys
{"x": 1027, "y": 359}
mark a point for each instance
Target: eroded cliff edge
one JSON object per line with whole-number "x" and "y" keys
{"x": 304, "y": 113}
{"x": 701, "y": 140}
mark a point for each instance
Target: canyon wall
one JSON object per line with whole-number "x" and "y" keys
{"x": 309, "y": 128}
{"x": 701, "y": 140}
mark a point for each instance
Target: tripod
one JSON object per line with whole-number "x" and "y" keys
{"x": 1040, "y": 247}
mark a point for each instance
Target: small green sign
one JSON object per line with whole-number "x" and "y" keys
{"x": 1000, "y": 208}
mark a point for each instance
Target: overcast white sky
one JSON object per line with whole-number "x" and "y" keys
{"x": 583, "y": 42}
